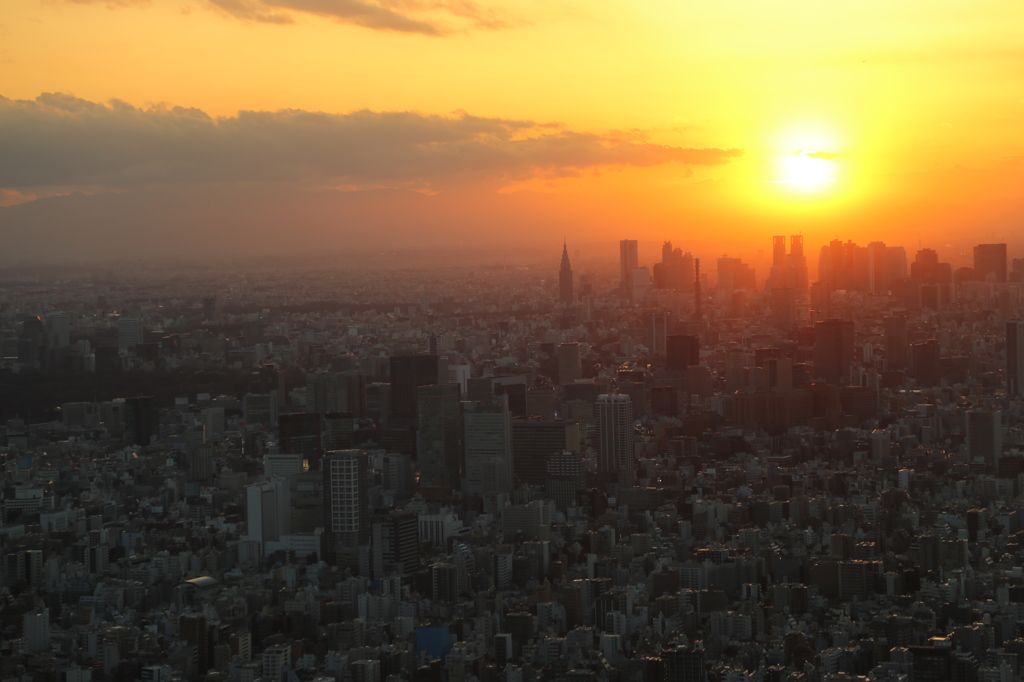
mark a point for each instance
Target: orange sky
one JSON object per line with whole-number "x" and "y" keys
{"x": 914, "y": 109}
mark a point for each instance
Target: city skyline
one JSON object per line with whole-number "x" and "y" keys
{"x": 285, "y": 129}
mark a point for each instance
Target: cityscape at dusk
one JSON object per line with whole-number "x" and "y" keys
{"x": 478, "y": 341}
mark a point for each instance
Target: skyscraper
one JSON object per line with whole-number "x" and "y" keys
{"x": 924, "y": 363}
{"x": 439, "y": 436}
{"x": 627, "y": 263}
{"x": 614, "y": 415}
{"x": 129, "y": 332}
{"x": 990, "y": 259}
{"x": 301, "y": 434}
{"x": 569, "y": 369}
{"x": 682, "y": 351}
{"x": 565, "y": 278}
{"x": 833, "y": 350}
{"x": 346, "y": 503}
{"x": 408, "y": 373}
{"x": 268, "y": 512}
{"x": 896, "y": 346}
{"x": 488, "y": 439}
{"x": 535, "y": 440}
{"x": 985, "y": 436}
{"x": 657, "y": 332}
{"x": 1014, "y": 357}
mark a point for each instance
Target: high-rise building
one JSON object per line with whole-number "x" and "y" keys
{"x": 925, "y": 364}
{"x": 628, "y": 262}
{"x": 657, "y": 332}
{"x": 734, "y": 274}
{"x": 682, "y": 351}
{"x": 1014, "y": 358}
{"x": 536, "y": 440}
{"x": 301, "y": 433}
{"x": 675, "y": 271}
{"x": 985, "y": 436}
{"x": 396, "y": 543}
{"x": 408, "y": 373}
{"x": 684, "y": 664}
{"x": 896, "y": 346}
{"x": 268, "y": 512}
{"x": 615, "y": 449}
{"x": 35, "y": 629}
{"x": 439, "y": 436}
{"x": 488, "y": 439}
{"x": 783, "y": 307}
{"x": 564, "y": 478}
{"x": 990, "y": 259}
{"x": 346, "y": 503}
{"x": 141, "y": 420}
{"x": 565, "y": 296}
{"x": 129, "y": 332}
{"x": 569, "y": 367}
{"x": 833, "y": 350}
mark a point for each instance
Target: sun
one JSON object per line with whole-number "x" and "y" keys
{"x": 807, "y": 171}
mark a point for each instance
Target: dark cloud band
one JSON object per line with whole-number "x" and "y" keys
{"x": 60, "y": 140}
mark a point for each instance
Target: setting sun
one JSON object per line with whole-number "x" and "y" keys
{"x": 808, "y": 171}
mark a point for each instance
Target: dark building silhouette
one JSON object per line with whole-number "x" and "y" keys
{"x": 833, "y": 350}
{"x": 896, "y": 346}
{"x": 990, "y": 259}
{"x": 141, "y": 420}
{"x": 1014, "y": 356}
{"x": 682, "y": 351}
{"x": 439, "y": 437}
{"x": 536, "y": 440}
{"x": 924, "y": 363}
{"x": 408, "y": 373}
{"x": 565, "y": 278}
{"x": 300, "y": 434}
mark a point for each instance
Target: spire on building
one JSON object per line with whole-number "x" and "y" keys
{"x": 565, "y": 295}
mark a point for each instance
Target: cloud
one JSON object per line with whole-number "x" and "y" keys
{"x": 59, "y": 140}
{"x": 819, "y": 155}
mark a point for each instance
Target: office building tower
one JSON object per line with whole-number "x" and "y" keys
{"x": 896, "y": 346}
{"x": 200, "y": 463}
{"x": 985, "y": 436}
{"x": 990, "y": 260}
{"x": 682, "y": 351}
{"x": 129, "y": 332}
{"x": 276, "y": 659}
{"x": 338, "y": 431}
{"x": 488, "y": 443}
{"x": 615, "y": 449}
{"x": 565, "y": 296}
{"x": 58, "y": 326}
{"x": 301, "y": 433}
{"x": 534, "y": 441}
{"x": 657, "y": 324}
{"x": 212, "y": 419}
{"x": 141, "y": 420}
{"x": 569, "y": 367}
{"x": 282, "y": 464}
{"x": 346, "y": 505}
{"x": 260, "y": 408}
{"x": 336, "y": 392}
{"x": 439, "y": 436}
{"x": 833, "y": 350}
{"x": 797, "y": 263}
{"x": 1014, "y": 358}
{"x": 734, "y": 274}
{"x": 396, "y": 544}
{"x": 698, "y": 312}
{"x": 925, "y": 364}
{"x": 627, "y": 263}
{"x": 408, "y": 373}
{"x": 684, "y": 664}
{"x": 268, "y": 513}
{"x": 783, "y": 307}
{"x": 35, "y": 630}
{"x": 564, "y": 478}
{"x": 675, "y": 271}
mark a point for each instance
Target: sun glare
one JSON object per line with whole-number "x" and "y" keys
{"x": 808, "y": 171}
